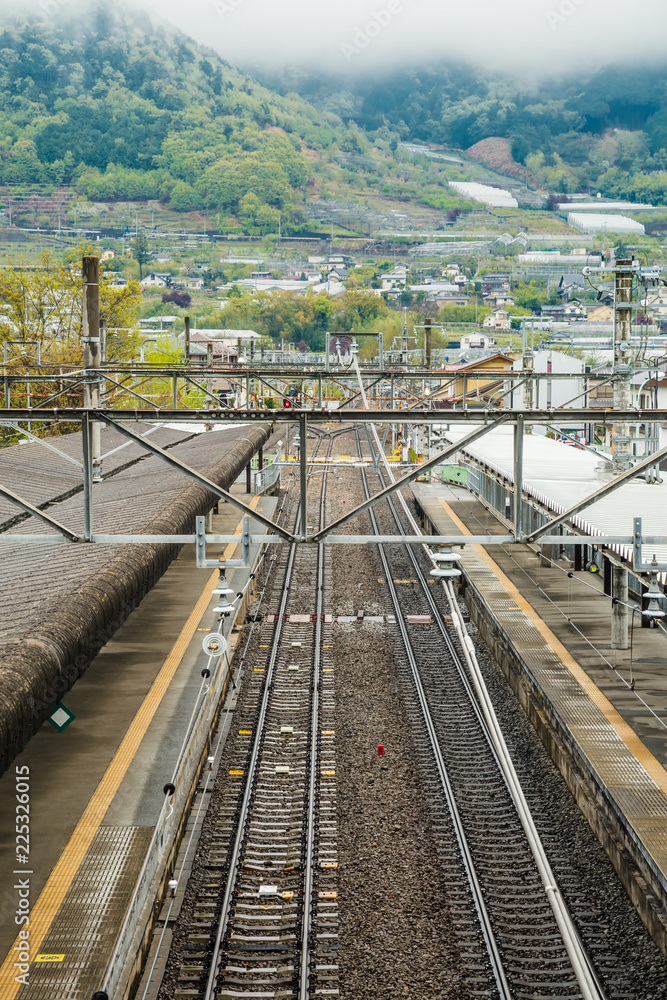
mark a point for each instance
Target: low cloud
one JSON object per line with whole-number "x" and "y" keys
{"x": 522, "y": 37}
{"x": 535, "y": 36}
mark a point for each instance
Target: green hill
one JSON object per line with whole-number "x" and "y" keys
{"x": 603, "y": 130}
{"x": 124, "y": 110}
{"x": 120, "y": 108}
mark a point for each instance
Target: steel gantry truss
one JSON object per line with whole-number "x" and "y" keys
{"x": 479, "y": 422}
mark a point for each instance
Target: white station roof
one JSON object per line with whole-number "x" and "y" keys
{"x": 560, "y": 475}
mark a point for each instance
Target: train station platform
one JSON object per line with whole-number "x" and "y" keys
{"x": 97, "y": 800}
{"x": 601, "y": 713}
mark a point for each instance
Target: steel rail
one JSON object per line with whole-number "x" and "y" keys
{"x": 244, "y": 811}
{"x": 483, "y": 708}
{"x": 306, "y": 924}
{"x": 466, "y": 854}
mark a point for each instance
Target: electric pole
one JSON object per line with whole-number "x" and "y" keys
{"x": 622, "y": 359}
{"x": 92, "y": 354}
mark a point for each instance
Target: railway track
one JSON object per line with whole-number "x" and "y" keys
{"x": 279, "y": 907}
{"x": 263, "y": 918}
{"x": 509, "y": 937}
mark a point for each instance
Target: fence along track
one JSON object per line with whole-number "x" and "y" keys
{"x": 278, "y": 921}
{"x": 516, "y": 946}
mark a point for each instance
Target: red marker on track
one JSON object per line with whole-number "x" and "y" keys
{"x": 380, "y": 750}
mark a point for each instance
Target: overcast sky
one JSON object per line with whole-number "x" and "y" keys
{"x": 544, "y": 36}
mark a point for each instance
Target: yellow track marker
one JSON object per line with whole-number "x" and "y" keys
{"x": 68, "y": 864}
{"x": 650, "y": 763}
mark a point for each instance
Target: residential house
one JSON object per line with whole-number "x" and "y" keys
{"x": 571, "y": 285}
{"x": 477, "y": 342}
{"x": 498, "y": 320}
{"x": 601, "y": 394}
{"x": 303, "y": 273}
{"x": 656, "y": 306}
{"x": 206, "y": 350}
{"x": 496, "y": 282}
{"x": 503, "y": 299}
{"x": 156, "y": 280}
{"x": 476, "y": 390}
{"x": 450, "y": 270}
{"x": 445, "y": 298}
{"x": 395, "y": 278}
{"x": 600, "y": 314}
{"x": 565, "y": 311}
{"x": 338, "y": 273}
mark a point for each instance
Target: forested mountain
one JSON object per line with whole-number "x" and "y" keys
{"x": 605, "y": 129}
{"x": 122, "y": 108}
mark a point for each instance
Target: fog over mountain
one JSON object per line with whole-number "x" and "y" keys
{"x": 527, "y": 37}
{"x": 542, "y": 37}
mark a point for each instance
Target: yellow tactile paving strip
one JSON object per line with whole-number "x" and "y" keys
{"x": 633, "y": 777}
{"x": 60, "y": 880}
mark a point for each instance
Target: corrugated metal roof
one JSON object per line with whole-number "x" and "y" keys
{"x": 36, "y": 579}
{"x": 560, "y": 475}
{"x": 40, "y": 476}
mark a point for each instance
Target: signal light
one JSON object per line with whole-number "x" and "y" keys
{"x": 287, "y": 404}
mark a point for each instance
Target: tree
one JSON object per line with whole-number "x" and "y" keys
{"x": 181, "y": 299}
{"x": 141, "y": 252}
{"x": 44, "y": 304}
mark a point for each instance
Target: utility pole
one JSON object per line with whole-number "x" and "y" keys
{"x": 528, "y": 363}
{"x": 187, "y": 340}
{"x": 92, "y": 355}
{"x": 427, "y": 344}
{"x": 621, "y": 439}
{"x": 622, "y": 359}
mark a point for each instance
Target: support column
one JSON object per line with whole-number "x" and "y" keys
{"x": 327, "y": 349}
{"x": 427, "y": 344}
{"x": 92, "y": 355}
{"x": 619, "y": 612}
{"x": 381, "y": 351}
{"x": 518, "y": 478}
{"x": 303, "y": 456}
{"x": 528, "y": 364}
{"x": 86, "y": 438}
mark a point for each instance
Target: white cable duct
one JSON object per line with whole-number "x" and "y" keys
{"x": 588, "y": 984}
